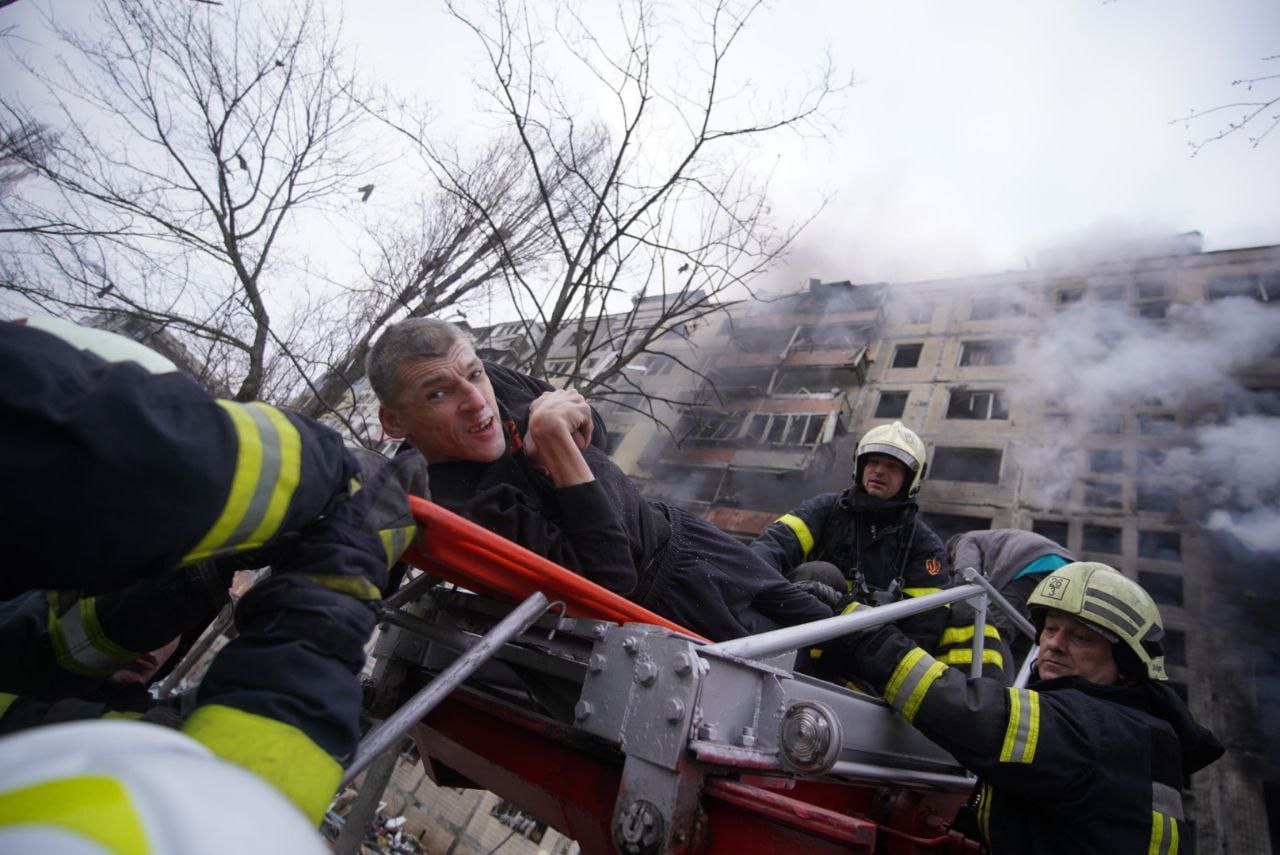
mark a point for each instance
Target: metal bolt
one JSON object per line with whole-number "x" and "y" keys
{"x": 596, "y": 663}
{"x": 673, "y": 709}
{"x": 582, "y": 710}
{"x": 598, "y": 630}
{"x": 646, "y": 672}
{"x": 748, "y": 737}
{"x": 630, "y": 644}
{"x": 708, "y": 732}
{"x": 682, "y": 664}
{"x": 638, "y": 828}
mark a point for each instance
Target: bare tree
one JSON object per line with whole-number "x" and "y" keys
{"x": 654, "y": 199}
{"x": 190, "y": 137}
{"x": 1260, "y": 111}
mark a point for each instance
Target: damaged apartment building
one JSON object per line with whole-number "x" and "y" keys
{"x": 1067, "y": 399}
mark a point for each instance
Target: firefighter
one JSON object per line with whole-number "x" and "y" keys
{"x": 1014, "y": 560}
{"x": 867, "y": 543}
{"x": 1093, "y": 755}
{"x": 120, "y": 469}
{"x": 527, "y": 461}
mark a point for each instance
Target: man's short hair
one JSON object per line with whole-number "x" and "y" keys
{"x": 410, "y": 340}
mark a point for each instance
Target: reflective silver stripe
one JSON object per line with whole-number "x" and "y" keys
{"x": 1101, "y": 610}
{"x": 78, "y": 630}
{"x": 1167, "y": 800}
{"x": 268, "y": 474}
{"x": 1120, "y": 604}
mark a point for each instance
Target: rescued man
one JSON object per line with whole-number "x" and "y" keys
{"x": 525, "y": 460}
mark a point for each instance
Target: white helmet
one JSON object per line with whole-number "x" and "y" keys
{"x": 899, "y": 442}
{"x": 128, "y": 787}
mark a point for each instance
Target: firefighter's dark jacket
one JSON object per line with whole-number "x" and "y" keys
{"x": 115, "y": 475}
{"x": 883, "y": 540}
{"x": 661, "y": 557}
{"x": 1066, "y": 765}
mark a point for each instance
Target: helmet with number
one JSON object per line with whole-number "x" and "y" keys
{"x": 1114, "y": 605}
{"x": 114, "y": 786}
{"x": 899, "y": 442}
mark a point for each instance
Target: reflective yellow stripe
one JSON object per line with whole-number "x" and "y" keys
{"x": 919, "y": 592}
{"x": 81, "y": 646}
{"x": 984, "y": 812}
{"x": 1023, "y": 731}
{"x": 964, "y": 634}
{"x": 353, "y": 586}
{"x": 801, "y": 529}
{"x": 268, "y": 469}
{"x": 123, "y": 715}
{"x": 6, "y": 701}
{"x": 279, "y": 753}
{"x": 396, "y": 540}
{"x": 94, "y": 806}
{"x": 912, "y": 678}
{"x": 964, "y": 656}
{"x": 1164, "y": 834}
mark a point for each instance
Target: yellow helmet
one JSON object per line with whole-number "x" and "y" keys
{"x": 899, "y": 442}
{"x": 1111, "y": 603}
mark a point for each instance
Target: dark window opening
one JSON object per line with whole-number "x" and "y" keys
{"x": 1106, "y": 460}
{"x": 1162, "y": 545}
{"x": 1103, "y": 494}
{"x": 615, "y": 440}
{"x": 1101, "y": 538}
{"x": 1164, "y": 588}
{"x": 1109, "y": 293}
{"x": 1157, "y": 499}
{"x": 1057, "y": 421}
{"x": 1068, "y": 296}
{"x": 1055, "y": 530}
{"x": 947, "y": 526}
{"x": 1157, "y": 424}
{"x": 714, "y": 428}
{"x": 979, "y": 465}
{"x": 891, "y": 405}
{"x": 976, "y": 404}
{"x": 1150, "y": 290}
{"x": 1108, "y": 423}
{"x": 1175, "y": 647}
{"x": 1263, "y": 287}
{"x": 1155, "y": 310}
{"x": 992, "y": 352}
{"x": 906, "y": 356}
{"x": 989, "y": 308}
{"x": 1150, "y": 460}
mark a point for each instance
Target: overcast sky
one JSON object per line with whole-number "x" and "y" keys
{"x": 980, "y": 132}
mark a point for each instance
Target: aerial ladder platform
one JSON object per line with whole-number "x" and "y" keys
{"x": 629, "y": 733}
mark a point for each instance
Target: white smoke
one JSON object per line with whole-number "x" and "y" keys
{"x": 1096, "y": 361}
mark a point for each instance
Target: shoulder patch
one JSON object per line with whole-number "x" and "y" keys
{"x": 933, "y": 566}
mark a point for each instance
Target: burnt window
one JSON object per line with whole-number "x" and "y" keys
{"x": 977, "y": 404}
{"x": 1157, "y": 424}
{"x": 990, "y": 308}
{"x": 1109, "y": 293}
{"x": 714, "y": 427}
{"x": 1164, "y": 588}
{"x": 1068, "y": 297}
{"x": 1057, "y": 421}
{"x": 1150, "y": 290}
{"x": 979, "y": 465}
{"x": 891, "y": 405}
{"x": 1263, "y": 287}
{"x": 1101, "y": 538}
{"x": 906, "y": 356}
{"x": 1157, "y": 498}
{"x": 990, "y": 352}
{"x": 948, "y": 525}
{"x": 1163, "y": 545}
{"x": 1175, "y": 647}
{"x": 1055, "y": 530}
{"x": 1106, "y": 460}
{"x": 786, "y": 428}
{"x": 1108, "y": 423}
{"x": 1155, "y": 310}
{"x": 1103, "y": 494}
{"x": 919, "y": 313}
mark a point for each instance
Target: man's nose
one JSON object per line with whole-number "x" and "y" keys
{"x": 475, "y": 398}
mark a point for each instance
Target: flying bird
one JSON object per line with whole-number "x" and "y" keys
{"x": 682, "y": 268}
{"x": 366, "y": 191}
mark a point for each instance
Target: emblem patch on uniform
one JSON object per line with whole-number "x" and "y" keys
{"x": 1055, "y": 588}
{"x": 933, "y": 566}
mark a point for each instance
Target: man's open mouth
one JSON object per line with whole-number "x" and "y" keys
{"x": 483, "y": 426}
